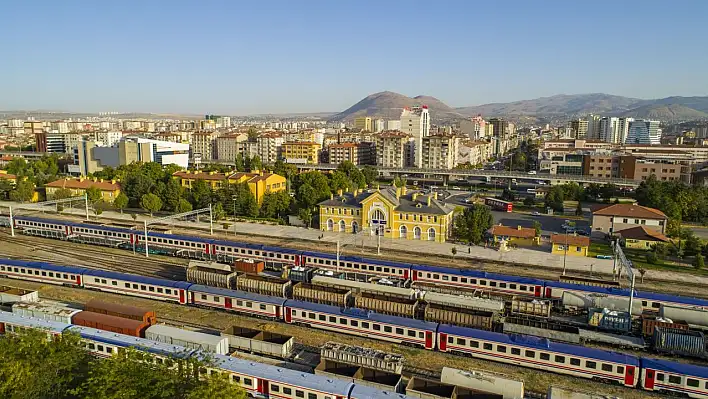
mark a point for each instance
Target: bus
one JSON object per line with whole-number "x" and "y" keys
{"x": 499, "y": 205}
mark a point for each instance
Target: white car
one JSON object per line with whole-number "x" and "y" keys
{"x": 536, "y": 213}
{"x": 533, "y": 172}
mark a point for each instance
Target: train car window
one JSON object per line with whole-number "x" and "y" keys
{"x": 451, "y": 340}
{"x": 574, "y": 361}
{"x": 644, "y": 303}
{"x": 606, "y": 367}
{"x": 493, "y": 283}
{"x": 240, "y": 303}
{"x": 96, "y": 280}
{"x": 674, "y": 379}
{"x": 332, "y": 319}
{"x": 436, "y": 276}
{"x": 420, "y": 334}
{"x": 522, "y": 287}
{"x": 151, "y": 289}
{"x": 36, "y": 273}
{"x": 399, "y": 331}
{"x": 66, "y": 277}
{"x": 135, "y": 286}
{"x": 590, "y": 365}
{"x": 91, "y": 346}
{"x": 355, "y": 323}
{"x": 2, "y": 268}
{"x": 502, "y": 285}
{"x": 388, "y": 329}
{"x": 168, "y": 291}
{"x": 217, "y": 299}
{"x": 235, "y": 378}
{"x": 400, "y": 271}
{"x": 445, "y": 277}
{"x": 287, "y": 391}
{"x": 100, "y": 349}
{"x": 387, "y": 270}
{"x": 310, "y": 315}
{"x": 103, "y": 281}
{"x": 530, "y": 354}
{"x": 560, "y": 359}
{"x": 159, "y": 290}
{"x": 364, "y": 325}
{"x": 323, "y": 317}
{"x": 127, "y": 285}
{"x": 411, "y": 333}
{"x": 378, "y": 268}
{"x": 692, "y": 383}
{"x": 655, "y": 305}
{"x": 545, "y": 356}
{"x": 311, "y": 396}
{"x": 115, "y": 283}
{"x": 356, "y": 266}
{"x": 377, "y": 327}
{"x": 249, "y": 304}
{"x": 482, "y": 282}
{"x": 620, "y": 370}
{"x": 706, "y": 385}
{"x": 453, "y": 278}
{"x": 248, "y": 381}
{"x": 501, "y": 349}
{"x": 274, "y": 388}
{"x": 464, "y": 280}
{"x": 487, "y": 347}
{"x": 299, "y": 393}
{"x": 109, "y": 350}
{"x": 516, "y": 351}
{"x": 23, "y": 271}
{"x": 512, "y": 286}
{"x": 474, "y": 344}
{"x": 428, "y": 275}
{"x": 142, "y": 288}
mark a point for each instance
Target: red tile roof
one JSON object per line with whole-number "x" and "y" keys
{"x": 642, "y": 233}
{"x": 82, "y": 184}
{"x": 630, "y": 210}
{"x": 578, "y": 241}
{"x": 519, "y": 232}
{"x": 199, "y": 175}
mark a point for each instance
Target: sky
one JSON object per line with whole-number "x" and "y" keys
{"x": 246, "y": 57}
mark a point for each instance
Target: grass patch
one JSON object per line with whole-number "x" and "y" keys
{"x": 597, "y": 248}
{"x": 639, "y": 260}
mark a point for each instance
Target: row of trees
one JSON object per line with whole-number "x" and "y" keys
{"x": 680, "y": 202}
{"x": 574, "y": 192}
{"x": 29, "y": 175}
{"x": 35, "y": 367}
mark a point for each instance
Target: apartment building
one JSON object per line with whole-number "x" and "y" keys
{"x": 474, "y": 152}
{"x": 228, "y": 146}
{"x": 415, "y": 121}
{"x": 358, "y": 153}
{"x": 440, "y": 151}
{"x": 301, "y": 152}
{"x": 474, "y": 128}
{"x": 270, "y": 146}
{"x": 203, "y": 145}
{"x": 363, "y": 123}
{"x": 394, "y": 149}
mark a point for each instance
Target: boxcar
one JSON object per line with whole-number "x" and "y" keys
{"x": 134, "y": 328}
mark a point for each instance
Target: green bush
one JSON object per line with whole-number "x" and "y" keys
{"x": 652, "y": 258}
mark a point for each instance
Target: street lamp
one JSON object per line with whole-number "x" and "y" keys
{"x": 233, "y": 197}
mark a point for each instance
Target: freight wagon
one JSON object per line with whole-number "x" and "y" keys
{"x": 45, "y": 310}
{"x": 679, "y": 342}
{"x": 692, "y": 315}
{"x": 260, "y": 342}
{"x": 11, "y": 295}
{"x": 249, "y": 266}
{"x": 361, "y": 375}
{"x": 272, "y": 286}
{"x": 428, "y": 389}
{"x": 610, "y": 320}
{"x": 385, "y": 305}
{"x": 463, "y": 301}
{"x": 114, "y": 324}
{"x": 188, "y": 339}
{"x": 650, "y": 321}
{"x": 118, "y": 310}
{"x": 359, "y": 287}
{"x": 365, "y": 357}
{"x": 532, "y": 308}
{"x": 325, "y": 295}
{"x": 199, "y": 274}
{"x": 484, "y": 381}
{"x": 459, "y": 317}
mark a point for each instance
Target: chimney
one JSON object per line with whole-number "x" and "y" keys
{"x": 398, "y": 193}
{"x": 429, "y": 198}
{"x": 81, "y": 179}
{"x": 113, "y": 181}
{"x": 404, "y": 189}
{"x": 518, "y": 227}
{"x": 331, "y": 196}
{"x": 339, "y": 192}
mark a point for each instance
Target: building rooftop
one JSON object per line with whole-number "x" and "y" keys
{"x": 642, "y": 233}
{"x": 410, "y": 202}
{"x": 84, "y": 183}
{"x": 518, "y": 232}
{"x": 199, "y": 175}
{"x": 630, "y": 210}
{"x": 570, "y": 239}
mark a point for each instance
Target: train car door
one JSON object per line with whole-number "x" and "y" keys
{"x": 415, "y": 275}
{"x": 405, "y": 274}
{"x": 548, "y": 292}
{"x": 288, "y": 315}
{"x": 263, "y": 387}
{"x": 181, "y": 297}
{"x": 78, "y": 279}
{"x": 277, "y": 311}
{"x": 629, "y": 376}
{"x": 443, "y": 342}
{"x": 227, "y": 303}
{"x": 2, "y": 328}
{"x": 648, "y": 380}
{"x": 428, "y": 340}
{"x": 537, "y": 291}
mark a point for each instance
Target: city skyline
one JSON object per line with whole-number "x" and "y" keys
{"x": 242, "y": 59}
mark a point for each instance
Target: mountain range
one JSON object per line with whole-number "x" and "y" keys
{"x": 388, "y": 105}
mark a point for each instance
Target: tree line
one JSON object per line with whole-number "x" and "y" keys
{"x": 29, "y": 175}
{"x": 35, "y": 367}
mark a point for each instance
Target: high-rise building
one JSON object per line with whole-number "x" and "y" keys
{"x": 204, "y": 145}
{"x": 440, "y": 151}
{"x": 623, "y": 129}
{"x": 107, "y": 138}
{"x": 393, "y": 124}
{"x": 579, "y": 128}
{"x": 701, "y": 132}
{"x": 416, "y": 122}
{"x": 593, "y": 131}
{"x": 500, "y": 127}
{"x": 378, "y": 126}
{"x": 227, "y": 147}
{"x": 363, "y": 123}
{"x": 270, "y": 146}
{"x": 609, "y": 130}
{"x": 60, "y": 126}
{"x": 474, "y": 128}
{"x": 357, "y": 153}
{"x": 393, "y": 149}
{"x": 90, "y": 158}
{"x": 644, "y": 132}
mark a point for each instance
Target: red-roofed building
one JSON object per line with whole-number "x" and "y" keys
{"x": 617, "y": 217}
{"x": 109, "y": 188}
{"x": 522, "y": 236}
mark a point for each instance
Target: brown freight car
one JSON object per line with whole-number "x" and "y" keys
{"x": 135, "y": 328}
{"x": 125, "y": 311}
{"x": 649, "y": 321}
{"x": 249, "y": 266}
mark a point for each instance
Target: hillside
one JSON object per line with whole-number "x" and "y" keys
{"x": 665, "y": 112}
{"x": 388, "y": 105}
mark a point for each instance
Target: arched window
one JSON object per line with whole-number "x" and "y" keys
{"x": 404, "y": 231}
{"x": 378, "y": 217}
{"x": 355, "y": 227}
{"x": 416, "y": 233}
{"x": 431, "y": 234}
{"x": 342, "y": 225}
{"x": 330, "y": 225}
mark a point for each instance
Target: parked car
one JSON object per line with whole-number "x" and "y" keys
{"x": 536, "y": 213}
{"x": 532, "y": 172}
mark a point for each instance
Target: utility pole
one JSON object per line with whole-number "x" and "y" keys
{"x": 378, "y": 243}
{"x": 565, "y": 254}
{"x": 337, "y": 255}
{"x": 211, "y": 222}
{"x": 12, "y": 223}
{"x": 87, "y": 211}
{"x": 146, "y": 238}
{"x": 233, "y": 197}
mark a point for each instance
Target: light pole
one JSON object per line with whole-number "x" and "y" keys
{"x": 233, "y": 197}
{"x": 565, "y": 254}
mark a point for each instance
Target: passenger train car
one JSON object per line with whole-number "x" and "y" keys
{"x": 259, "y": 380}
{"x": 513, "y": 349}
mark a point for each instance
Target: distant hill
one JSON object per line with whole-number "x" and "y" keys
{"x": 671, "y": 112}
{"x": 388, "y": 105}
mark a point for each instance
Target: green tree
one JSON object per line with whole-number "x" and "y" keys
{"x": 136, "y": 186}
{"x": 99, "y": 207}
{"x": 661, "y": 250}
{"x": 172, "y": 194}
{"x": 305, "y": 214}
{"x": 453, "y": 251}
{"x": 120, "y": 202}
{"x": 537, "y": 228}
{"x": 307, "y": 196}
{"x": 201, "y": 194}
{"x": 579, "y": 209}
{"x": 217, "y": 211}
{"x": 316, "y": 181}
{"x": 699, "y": 262}
{"x": 62, "y": 193}
{"x": 339, "y": 181}
{"x": 252, "y": 134}
{"x": 183, "y": 206}
{"x": 353, "y": 174}
{"x": 240, "y": 163}
{"x": 275, "y": 204}
{"x": 399, "y": 181}
{"x": 554, "y": 198}
{"x": 93, "y": 194}
{"x": 371, "y": 174}
{"x": 23, "y": 192}
{"x": 284, "y": 169}
{"x": 693, "y": 244}
{"x": 471, "y": 224}
{"x": 5, "y": 188}
{"x": 529, "y": 201}
{"x": 256, "y": 163}
{"x": 151, "y": 203}
{"x": 35, "y": 367}
{"x": 216, "y": 386}
{"x": 508, "y": 195}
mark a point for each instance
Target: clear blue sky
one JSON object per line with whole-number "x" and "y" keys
{"x": 238, "y": 57}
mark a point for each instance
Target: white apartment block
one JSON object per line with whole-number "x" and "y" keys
{"x": 474, "y": 128}
{"x": 107, "y": 138}
{"x": 378, "y": 125}
{"x": 393, "y": 125}
{"x": 60, "y": 126}
{"x": 609, "y": 130}
{"x": 269, "y": 147}
{"x": 416, "y": 122}
{"x": 72, "y": 140}
{"x": 440, "y": 152}
{"x": 474, "y": 152}
{"x": 203, "y": 145}
{"x": 623, "y": 129}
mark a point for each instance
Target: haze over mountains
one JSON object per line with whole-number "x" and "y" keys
{"x": 388, "y": 105}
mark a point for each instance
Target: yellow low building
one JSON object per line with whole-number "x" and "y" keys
{"x": 389, "y": 213}
{"x": 301, "y": 152}
{"x": 109, "y": 189}
{"x": 8, "y": 176}
{"x": 642, "y": 238}
{"x": 258, "y": 182}
{"x": 521, "y": 236}
{"x": 576, "y": 245}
